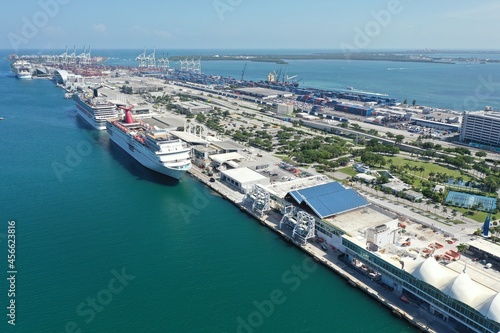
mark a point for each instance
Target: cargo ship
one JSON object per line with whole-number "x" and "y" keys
{"x": 95, "y": 110}
{"x": 156, "y": 149}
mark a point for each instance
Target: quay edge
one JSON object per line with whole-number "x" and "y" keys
{"x": 396, "y": 311}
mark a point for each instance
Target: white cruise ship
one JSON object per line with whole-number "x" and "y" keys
{"x": 155, "y": 149}
{"x": 22, "y": 69}
{"x": 95, "y": 110}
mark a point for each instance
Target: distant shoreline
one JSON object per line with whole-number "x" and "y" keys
{"x": 282, "y": 58}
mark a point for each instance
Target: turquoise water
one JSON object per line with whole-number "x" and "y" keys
{"x": 188, "y": 260}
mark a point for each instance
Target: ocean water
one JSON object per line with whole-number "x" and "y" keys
{"x": 105, "y": 245}
{"x": 460, "y": 86}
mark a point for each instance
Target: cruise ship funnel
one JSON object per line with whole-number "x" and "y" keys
{"x": 128, "y": 115}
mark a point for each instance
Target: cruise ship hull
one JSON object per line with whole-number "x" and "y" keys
{"x": 90, "y": 119}
{"x": 24, "y": 76}
{"x": 89, "y": 115}
{"x": 143, "y": 155}
{"x": 22, "y": 69}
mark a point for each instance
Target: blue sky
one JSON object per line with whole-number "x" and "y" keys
{"x": 251, "y": 24}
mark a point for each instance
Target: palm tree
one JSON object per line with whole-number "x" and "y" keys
{"x": 462, "y": 247}
{"x": 421, "y": 169}
{"x": 496, "y": 231}
{"x": 399, "y": 138}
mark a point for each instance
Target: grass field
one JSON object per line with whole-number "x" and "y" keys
{"x": 429, "y": 167}
{"x": 349, "y": 171}
{"x": 401, "y": 161}
{"x": 478, "y": 216}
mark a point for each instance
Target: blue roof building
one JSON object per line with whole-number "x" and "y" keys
{"x": 328, "y": 199}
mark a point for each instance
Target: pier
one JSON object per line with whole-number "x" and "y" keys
{"x": 330, "y": 259}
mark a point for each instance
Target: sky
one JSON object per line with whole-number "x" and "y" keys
{"x": 360, "y": 25}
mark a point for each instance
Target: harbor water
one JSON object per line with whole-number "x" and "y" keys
{"x": 105, "y": 245}
{"x": 465, "y": 85}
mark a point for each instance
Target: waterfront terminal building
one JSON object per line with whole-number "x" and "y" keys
{"x": 418, "y": 263}
{"x": 481, "y": 128}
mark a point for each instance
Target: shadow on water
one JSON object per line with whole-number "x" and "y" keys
{"x": 136, "y": 169}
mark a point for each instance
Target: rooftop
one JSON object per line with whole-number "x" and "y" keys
{"x": 262, "y": 91}
{"x": 243, "y": 175}
{"x": 486, "y": 114}
{"x": 221, "y": 158}
{"x": 329, "y": 199}
{"x": 280, "y": 190}
{"x": 428, "y": 255}
{"x": 227, "y": 145}
{"x": 190, "y": 138}
{"x": 356, "y": 221}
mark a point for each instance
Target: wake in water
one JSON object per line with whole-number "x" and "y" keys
{"x": 363, "y": 92}
{"x": 7, "y": 74}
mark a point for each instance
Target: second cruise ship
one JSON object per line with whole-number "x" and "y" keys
{"x": 95, "y": 110}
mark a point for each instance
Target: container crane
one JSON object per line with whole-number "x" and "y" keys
{"x": 244, "y": 70}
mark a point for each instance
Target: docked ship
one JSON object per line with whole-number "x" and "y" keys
{"x": 22, "y": 69}
{"x": 95, "y": 110}
{"x": 155, "y": 149}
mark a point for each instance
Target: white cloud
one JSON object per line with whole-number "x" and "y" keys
{"x": 99, "y": 27}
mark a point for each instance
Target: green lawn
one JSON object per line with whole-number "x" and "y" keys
{"x": 349, "y": 171}
{"x": 429, "y": 167}
{"x": 478, "y": 216}
{"x": 400, "y": 161}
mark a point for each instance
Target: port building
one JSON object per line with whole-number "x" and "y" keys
{"x": 424, "y": 267}
{"x": 436, "y": 124}
{"x": 243, "y": 179}
{"x": 62, "y": 76}
{"x": 481, "y": 128}
{"x": 417, "y": 262}
{"x": 285, "y": 108}
{"x": 327, "y": 200}
{"x": 193, "y": 107}
{"x": 263, "y": 93}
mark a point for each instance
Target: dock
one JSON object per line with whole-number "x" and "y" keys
{"x": 330, "y": 259}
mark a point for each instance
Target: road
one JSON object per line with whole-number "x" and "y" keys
{"x": 415, "y": 211}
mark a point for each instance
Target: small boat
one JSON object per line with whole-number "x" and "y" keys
{"x": 2, "y": 118}
{"x": 350, "y": 88}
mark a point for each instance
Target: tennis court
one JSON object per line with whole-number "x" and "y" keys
{"x": 470, "y": 200}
